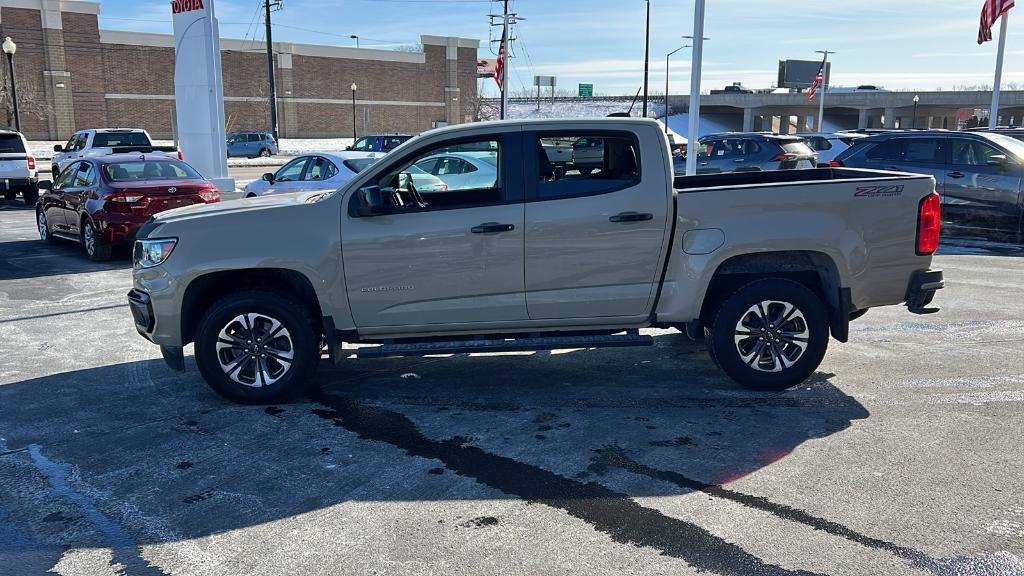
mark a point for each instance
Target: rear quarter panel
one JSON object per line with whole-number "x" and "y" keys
{"x": 867, "y": 226}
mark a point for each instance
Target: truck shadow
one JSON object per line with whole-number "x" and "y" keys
{"x": 157, "y": 453}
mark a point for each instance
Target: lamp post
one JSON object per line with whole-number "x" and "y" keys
{"x": 354, "y": 87}
{"x": 356, "y": 38}
{"x": 10, "y": 48}
{"x": 667, "y": 56}
{"x": 916, "y": 100}
{"x": 647, "y": 53}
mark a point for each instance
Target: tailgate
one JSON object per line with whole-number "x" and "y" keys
{"x": 14, "y": 166}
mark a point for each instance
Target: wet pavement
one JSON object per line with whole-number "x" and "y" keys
{"x": 902, "y": 455}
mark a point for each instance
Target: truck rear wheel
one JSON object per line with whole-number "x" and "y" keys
{"x": 771, "y": 334}
{"x": 257, "y": 348}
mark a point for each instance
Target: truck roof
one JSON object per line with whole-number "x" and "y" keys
{"x": 542, "y": 123}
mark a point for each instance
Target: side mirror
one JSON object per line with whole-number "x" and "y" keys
{"x": 45, "y": 185}
{"x": 58, "y": 148}
{"x": 348, "y": 147}
{"x": 371, "y": 201}
{"x": 998, "y": 160}
{"x": 269, "y": 177}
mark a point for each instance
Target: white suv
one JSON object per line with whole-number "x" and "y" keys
{"x": 18, "y": 171}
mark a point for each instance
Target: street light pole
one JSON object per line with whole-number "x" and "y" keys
{"x": 647, "y": 54}
{"x": 10, "y": 48}
{"x": 667, "y": 56}
{"x": 354, "y": 87}
{"x": 695, "y": 72}
{"x": 356, "y": 38}
{"x": 916, "y": 100}
{"x": 271, "y": 83}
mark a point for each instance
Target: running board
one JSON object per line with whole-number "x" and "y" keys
{"x": 630, "y": 338}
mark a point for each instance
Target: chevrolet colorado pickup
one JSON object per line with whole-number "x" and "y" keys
{"x": 765, "y": 265}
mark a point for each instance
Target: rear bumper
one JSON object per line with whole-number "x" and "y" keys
{"x": 922, "y": 288}
{"x": 18, "y": 183}
{"x": 120, "y": 229}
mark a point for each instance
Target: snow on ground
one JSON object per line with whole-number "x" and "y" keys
{"x": 978, "y": 247}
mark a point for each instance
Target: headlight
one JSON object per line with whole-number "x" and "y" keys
{"x": 149, "y": 253}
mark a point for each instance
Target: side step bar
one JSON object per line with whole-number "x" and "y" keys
{"x": 630, "y": 338}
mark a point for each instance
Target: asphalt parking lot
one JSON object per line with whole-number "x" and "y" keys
{"x": 902, "y": 455}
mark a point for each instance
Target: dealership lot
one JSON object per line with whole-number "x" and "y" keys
{"x": 901, "y": 456}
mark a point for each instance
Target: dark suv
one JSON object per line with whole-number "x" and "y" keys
{"x": 978, "y": 174}
{"x": 752, "y": 152}
{"x": 379, "y": 142}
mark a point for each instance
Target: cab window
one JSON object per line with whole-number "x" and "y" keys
{"x": 67, "y": 176}
{"x": 973, "y": 153}
{"x": 580, "y": 165}
{"x": 448, "y": 183}
{"x": 86, "y": 175}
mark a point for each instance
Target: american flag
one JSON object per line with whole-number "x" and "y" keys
{"x": 499, "y": 67}
{"x": 990, "y": 14}
{"x": 813, "y": 89}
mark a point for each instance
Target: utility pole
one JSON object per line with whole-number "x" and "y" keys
{"x": 693, "y": 134}
{"x": 993, "y": 113}
{"x": 667, "y": 56}
{"x": 508, "y": 19}
{"x": 647, "y": 55}
{"x": 271, "y": 83}
{"x": 825, "y": 78}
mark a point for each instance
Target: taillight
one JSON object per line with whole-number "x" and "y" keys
{"x": 835, "y": 164}
{"x": 928, "y": 223}
{"x": 122, "y": 197}
{"x": 31, "y": 163}
{"x": 784, "y": 157}
{"x": 210, "y": 195}
{"x": 180, "y": 155}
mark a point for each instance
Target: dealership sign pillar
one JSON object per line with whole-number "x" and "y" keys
{"x": 199, "y": 91}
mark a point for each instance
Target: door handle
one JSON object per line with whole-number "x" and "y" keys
{"x": 738, "y": 160}
{"x": 955, "y": 174}
{"x": 492, "y": 228}
{"x": 631, "y": 217}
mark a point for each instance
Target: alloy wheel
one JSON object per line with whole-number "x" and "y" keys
{"x": 89, "y": 238}
{"x": 771, "y": 336}
{"x": 44, "y": 229}
{"x": 255, "y": 350}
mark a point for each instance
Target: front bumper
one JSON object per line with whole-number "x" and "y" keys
{"x": 142, "y": 312}
{"x": 921, "y": 291}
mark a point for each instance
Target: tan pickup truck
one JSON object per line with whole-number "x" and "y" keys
{"x": 515, "y": 255}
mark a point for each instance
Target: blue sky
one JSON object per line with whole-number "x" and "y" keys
{"x": 898, "y": 44}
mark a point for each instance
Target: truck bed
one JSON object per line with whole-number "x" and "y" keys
{"x": 684, "y": 184}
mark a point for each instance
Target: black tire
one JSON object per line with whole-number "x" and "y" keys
{"x": 301, "y": 337}
{"x": 30, "y": 195}
{"x": 94, "y": 249}
{"x": 264, "y": 153}
{"x": 780, "y": 346}
{"x": 44, "y": 228}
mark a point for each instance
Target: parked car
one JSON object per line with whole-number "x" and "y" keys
{"x": 102, "y": 202}
{"x": 1012, "y": 132}
{"x": 103, "y": 142}
{"x": 379, "y": 142}
{"x": 978, "y": 174}
{"x": 829, "y": 145}
{"x": 462, "y": 170}
{"x": 18, "y": 173}
{"x": 588, "y": 154}
{"x": 252, "y": 144}
{"x": 752, "y": 152}
{"x": 770, "y": 263}
{"x": 317, "y": 171}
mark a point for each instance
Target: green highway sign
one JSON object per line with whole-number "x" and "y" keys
{"x": 586, "y": 90}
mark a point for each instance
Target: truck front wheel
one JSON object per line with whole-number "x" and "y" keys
{"x": 257, "y": 348}
{"x": 771, "y": 334}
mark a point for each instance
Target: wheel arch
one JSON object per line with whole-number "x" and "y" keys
{"x": 815, "y": 270}
{"x": 204, "y": 290}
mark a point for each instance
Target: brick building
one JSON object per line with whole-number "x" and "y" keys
{"x": 73, "y": 75}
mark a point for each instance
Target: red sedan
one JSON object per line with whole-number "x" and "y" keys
{"x": 102, "y": 202}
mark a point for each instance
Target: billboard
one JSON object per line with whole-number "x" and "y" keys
{"x": 545, "y": 81}
{"x": 801, "y": 73}
{"x": 485, "y": 67}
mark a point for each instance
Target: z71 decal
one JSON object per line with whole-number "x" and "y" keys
{"x": 879, "y": 191}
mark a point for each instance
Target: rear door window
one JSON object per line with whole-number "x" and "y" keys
{"x": 607, "y": 163}
{"x": 11, "y": 144}
{"x": 86, "y": 175}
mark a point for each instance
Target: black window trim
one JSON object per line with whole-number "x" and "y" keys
{"x": 510, "y": 150}
{"x": 532, "y": 167}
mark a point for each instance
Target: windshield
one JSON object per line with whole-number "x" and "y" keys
{"x": 142, "y": 170}
{"x": 1014, "y": 146}
{"x": 108, "y": 139}
{"x": 11, "y": 143}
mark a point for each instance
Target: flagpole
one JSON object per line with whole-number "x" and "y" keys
{"x": 993, "y": 114}
{"x": 825, "y": 77}
{"x": 504, "y": 68}
{"x": 695, "y": 72}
